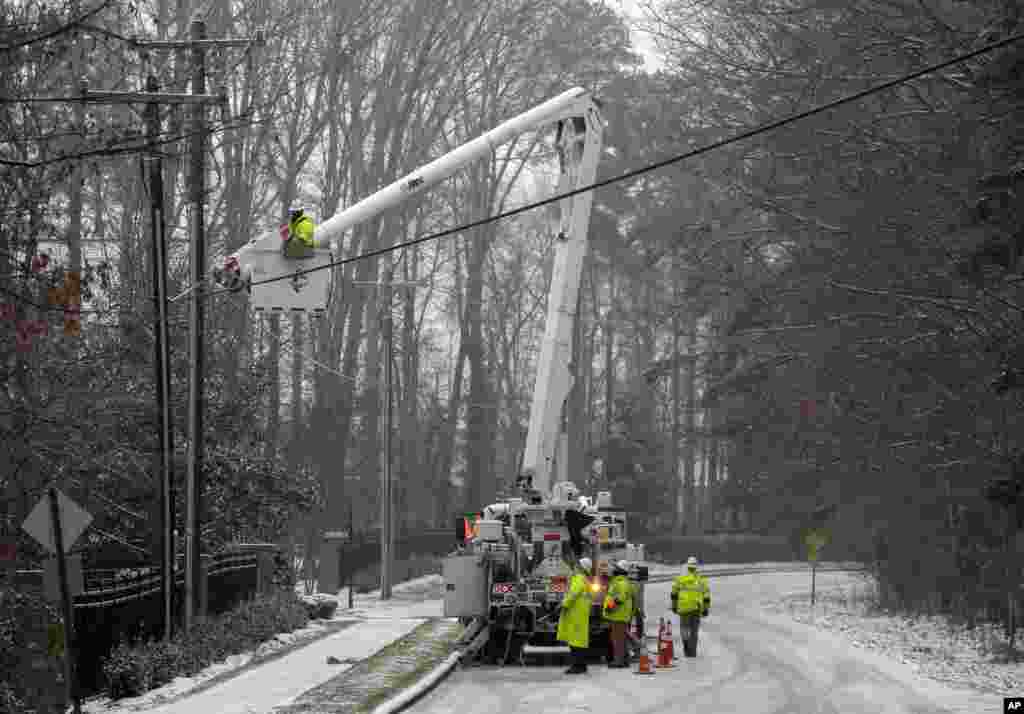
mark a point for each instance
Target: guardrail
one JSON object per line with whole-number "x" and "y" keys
{"x": 718, "y": 572}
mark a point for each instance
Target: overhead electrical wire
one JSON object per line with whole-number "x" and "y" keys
{"x": 762, "y": 129}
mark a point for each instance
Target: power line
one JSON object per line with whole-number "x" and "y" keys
{"x": 762, "y": 129}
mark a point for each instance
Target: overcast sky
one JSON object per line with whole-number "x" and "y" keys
{"x": 642, "y": 42}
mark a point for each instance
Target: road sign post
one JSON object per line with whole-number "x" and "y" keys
{"x": 51, "y": 577}
{"x": 57, "y": 522}
{"x": 65, "y": 593}
{"x": 814, "y": 540}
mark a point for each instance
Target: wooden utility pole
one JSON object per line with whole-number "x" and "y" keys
{"x": 162, "y": 356}
{"x": 197, "y": 191}
{"x": 387, "y": 530}
{"x": 386, "y": 514}
{"x": 198, "y": 44}
{"x": 152, "y": 98}
{"x": 77, "y": 174}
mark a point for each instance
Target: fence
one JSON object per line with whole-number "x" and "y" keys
{"x": 361, "y": 556}
{"x": 116, "y": 607}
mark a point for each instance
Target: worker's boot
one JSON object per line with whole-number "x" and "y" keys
{"x": 579, "y": 665}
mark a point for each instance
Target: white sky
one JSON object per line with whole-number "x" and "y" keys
{"x": 642, "y": 41}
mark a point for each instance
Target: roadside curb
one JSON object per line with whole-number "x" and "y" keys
{"x": 410, "y": 695}
{"x": 416, "y": 691}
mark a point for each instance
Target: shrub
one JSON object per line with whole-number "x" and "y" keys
{"x": 10, "y": 702}
{"x": 126, "y": 672}
{"x": 23, "y": 617}
{"x": 133, "y": 669}
{"x": 320, "y": 607}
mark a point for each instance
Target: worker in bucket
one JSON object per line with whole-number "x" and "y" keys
{"x": 298, "y": 240}
{"x": 617, "y": 609}
{"x": 574, "y": 620}
{"x": 691, "y": 600}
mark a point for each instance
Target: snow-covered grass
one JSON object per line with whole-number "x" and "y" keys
{"x": 978, "y": 659}
{"x": 180, "y": 686}
{"x": 408, "y": 601}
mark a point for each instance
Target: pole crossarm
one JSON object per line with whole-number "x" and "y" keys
{"x": 103, "y": 95}
{"x": 259, "y": 39}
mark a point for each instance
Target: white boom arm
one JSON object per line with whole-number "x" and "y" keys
{"x": 580, "y": 149}
{"x": 573, "y": 103}
{"x": 580, "y": 140}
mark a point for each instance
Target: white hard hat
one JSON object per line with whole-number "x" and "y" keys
{"x": 622, "y": 565}
{"x": 692, "y": 561}
{"x": 586, "y": 563}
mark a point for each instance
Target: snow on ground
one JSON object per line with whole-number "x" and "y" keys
{"x": 261, "y": 689}
{"x": 974, "y": 660}
{"x": 412, "y": 602}
{"x": 370, "y": 625}
{"x": 180, "y": 686}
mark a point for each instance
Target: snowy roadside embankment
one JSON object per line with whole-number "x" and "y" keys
{"x": 210, "y": 676}
{"x": 659, "y": 570}
{"x": 978, "y": 659}
{"x": 412, "y": 599}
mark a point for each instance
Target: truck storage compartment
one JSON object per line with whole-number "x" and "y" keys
{"x": 465, "y": 586}
{"x": 491, "y": 530}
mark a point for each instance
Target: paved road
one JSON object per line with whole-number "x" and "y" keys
{"x": 749, "y": 661}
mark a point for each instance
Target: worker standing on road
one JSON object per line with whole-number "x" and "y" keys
{"x": 618, "y": 611}
{"x": 574, "y": 620}
{"x": 633, "y": 642}
{"x": 691, "y": 600}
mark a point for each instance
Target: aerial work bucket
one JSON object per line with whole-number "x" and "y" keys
{"x": 261, "y": 259}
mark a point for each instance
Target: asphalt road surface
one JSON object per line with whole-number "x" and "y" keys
{"x": 749, "y": 662}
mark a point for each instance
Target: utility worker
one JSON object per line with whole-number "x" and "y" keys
{"x": 632, "y": 641}
{"x": 574, "y": 620}
{"x": 618, "y": 611}
{"x": 298, "y": 241}
{"x": 691, "y": 600}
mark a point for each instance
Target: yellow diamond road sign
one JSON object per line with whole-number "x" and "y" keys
{"x": 73, "y": 521}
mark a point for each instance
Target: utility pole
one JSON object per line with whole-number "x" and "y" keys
{"x": 197, "y": 190}
{"x": 152, "y": 98}
{"x": 77, "y": 175}
{"x": 386, "y": 514}
{"x": 162, "y": 356}
{"x": 387, "y": 530}
{"x": 198, "y": 43}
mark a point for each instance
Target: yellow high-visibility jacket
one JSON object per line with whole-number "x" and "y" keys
{"x": 300, "y": 234}
{"x": 574, "y": 620}
{"x": 691, "y": 594}
{"x": 618, "y": 603}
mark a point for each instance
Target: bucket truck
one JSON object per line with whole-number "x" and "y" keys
{"x": 512, "y": 562}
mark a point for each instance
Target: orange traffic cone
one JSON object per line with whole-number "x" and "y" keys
{"x": 644, "y": 663}
{"x": 664, "y": 653}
